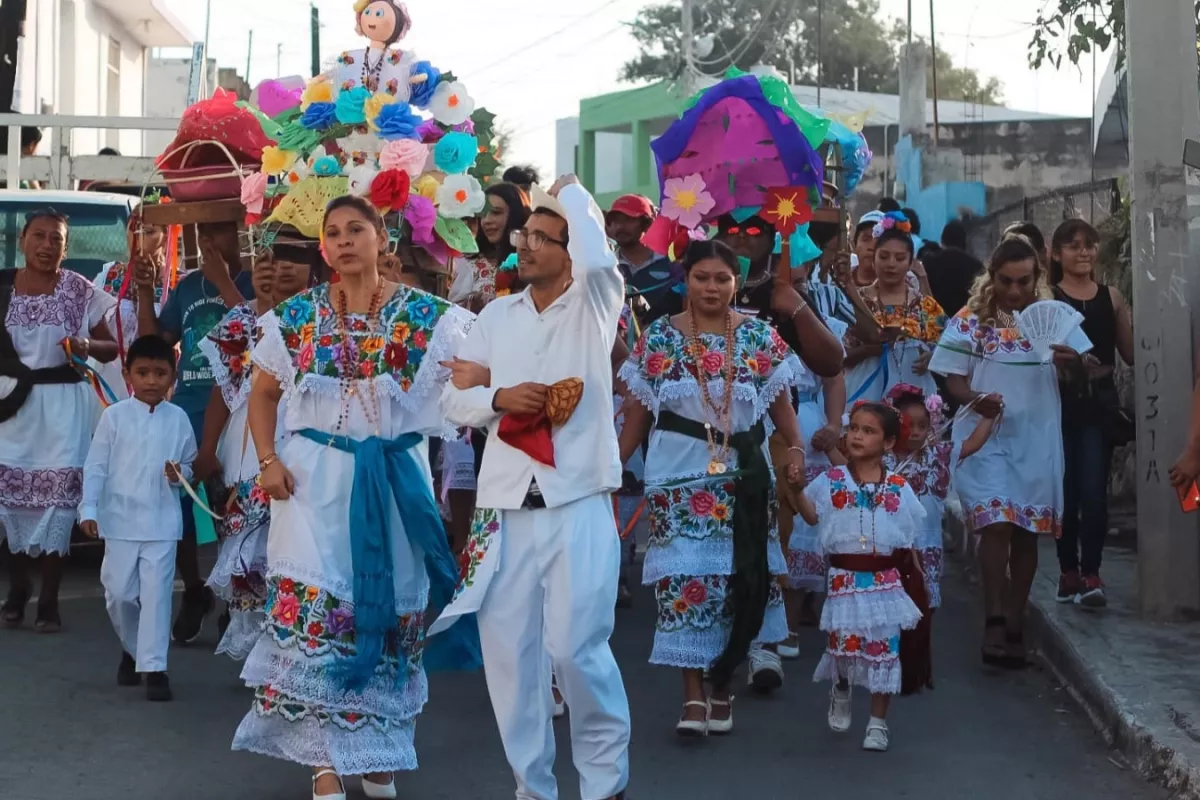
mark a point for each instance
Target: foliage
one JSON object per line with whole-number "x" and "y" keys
{"x": 854, "y": 34}
{"x": 1072, "y": 28}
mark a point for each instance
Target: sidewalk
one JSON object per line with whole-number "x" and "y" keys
{"x": 1139, "y": 681}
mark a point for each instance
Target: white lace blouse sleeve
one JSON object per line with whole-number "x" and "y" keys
{"x": 422, "y": 399}
{"x": 636, "y": 376}
{"x": 99, "y": 304}
{"x": 271, "y": 354}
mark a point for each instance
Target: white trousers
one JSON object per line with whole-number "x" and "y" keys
{"x": 555, "y": 592}
{"x": 139, "y": 579}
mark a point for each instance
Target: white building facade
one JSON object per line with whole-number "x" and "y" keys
{"x": 92, "y": 58}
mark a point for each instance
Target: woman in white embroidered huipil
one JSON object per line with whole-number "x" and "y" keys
{"x": 47, "y": 412}
{"x": 709, "y": 486}
{"x": 238, "y": 577}
{"x": 356, "y": 550}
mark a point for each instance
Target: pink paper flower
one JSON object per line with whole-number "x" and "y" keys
{"x": 404, "y": 154}
{"x": 422, "y": 216}
{"x": 687, "y": 200}
{"x": 254, "y": 188}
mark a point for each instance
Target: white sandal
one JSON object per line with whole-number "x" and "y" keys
{"x": 787, "y": 651}
{"x": 338, "y": 796}
{"x": 380, "y": 791}
{"x": 693, "y": 727}
{"x": 720, "y": 727}
{"x": 876, "y": 739}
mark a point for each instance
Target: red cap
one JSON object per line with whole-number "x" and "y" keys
{"x": 633, "y": 205}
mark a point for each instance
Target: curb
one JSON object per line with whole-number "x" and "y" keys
{"x": 1112, "y": 714}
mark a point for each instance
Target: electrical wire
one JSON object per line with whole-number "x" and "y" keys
{"x": 742, "y": 47}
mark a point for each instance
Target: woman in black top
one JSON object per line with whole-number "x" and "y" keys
{"x": 1087, "y": 403}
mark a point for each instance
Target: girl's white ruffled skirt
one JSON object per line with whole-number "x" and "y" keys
{"x": 863, "y": 616}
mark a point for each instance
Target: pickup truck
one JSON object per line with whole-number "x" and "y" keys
{"x": 97, "y": 224}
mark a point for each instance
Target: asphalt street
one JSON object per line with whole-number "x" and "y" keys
{"x": 67, "y": 732}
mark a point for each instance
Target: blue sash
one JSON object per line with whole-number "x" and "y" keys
{"x": 384, "y": 470}
{"x": 881, "y": 370}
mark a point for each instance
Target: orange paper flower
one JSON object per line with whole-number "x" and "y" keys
{"x": 787, "y": 208}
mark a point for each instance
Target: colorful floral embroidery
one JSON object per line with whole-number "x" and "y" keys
{"x": 664, "y": 355}
{"x": 115, "y": 277}
{"x": 41, "y": 488}
{"x": 921, "y": 318}
{"x": 693, "y": 512}
{"x": 698, "y": 601}
{"x": 806, "y": 565}
{"x": 843, "y": 495}
{"x": 66, "y": 306}
{"x": 316, "y": 622}
{"x": 986, "y": 340}
{"x": 1040, "y": 519}
{"x": 248, "y": 507}
{"x": 929, "y": 472}
{"x": 484, "y": 525}
{"x": 247, "y": 592}
{"x": 268, "y": 702}
{"x": 844, "y": 582}
{"x": 843, "y": 645}
{"x": 346, "y": 59}
{"x": 308, "y": 323}
{"x": 234, "y": 336}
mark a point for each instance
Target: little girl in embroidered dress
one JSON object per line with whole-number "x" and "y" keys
{"x": 867, "y": 520}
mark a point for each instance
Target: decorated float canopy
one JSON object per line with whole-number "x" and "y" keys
{"x": 378, "y": 123}
{"x": 746, "y": 147}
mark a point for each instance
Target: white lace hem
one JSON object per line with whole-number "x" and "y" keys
{"x": 877, "y": 677}
{"x": 309, "y": 680}
{"x": 37, "y": 531}
{"x": 711, "y": 556}
{"x": 862, "y": 611}
{"x": 697, "y": 648}
{"x": 312, "y": 744}
{"x": 239, "y": 556}
{"x": 789, "y": 373}
{"x": 245, "y": 628}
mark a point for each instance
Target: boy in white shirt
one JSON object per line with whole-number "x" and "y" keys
{"x": 142, "y": 446}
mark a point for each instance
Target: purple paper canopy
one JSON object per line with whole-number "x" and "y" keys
{"x": 740, "y": 144}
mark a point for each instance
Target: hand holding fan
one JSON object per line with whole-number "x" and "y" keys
{"x": 1047, "y": 323}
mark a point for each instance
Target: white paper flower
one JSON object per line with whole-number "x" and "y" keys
{"x": 459, "y": 197}
{"x": 451, "y": 105}
{"x": 359, "y": 149}
{"x": 360, "y": 179}
{"x": 297, "y": 173}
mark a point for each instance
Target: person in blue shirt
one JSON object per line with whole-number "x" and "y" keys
{"x": 198, "y": 303}
{"x": 650, "y": 279}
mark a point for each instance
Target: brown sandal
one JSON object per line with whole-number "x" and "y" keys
{"x": 994, "y": 652}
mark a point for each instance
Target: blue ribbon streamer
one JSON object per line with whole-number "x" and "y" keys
{"x": 383, "y": 470}
{"x": 107, "y": 394}
{"x": 882, "y": 369}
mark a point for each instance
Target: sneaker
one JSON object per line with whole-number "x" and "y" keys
{"x": 766, "y": 671}
{"x": 1092, "y": 595}
{"x": 198, "y": 603}
{"x": 127, "y": 674}
{"x": 1068, "y": 587}
{"x": 876, "y": 739}
{"x": 790, "y": 647}
{"x": 158, "y": 687}
{"x": 839, "y": 709}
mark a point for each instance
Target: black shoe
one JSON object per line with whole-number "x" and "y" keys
{"x": 158, "y": 687}
{"x": 127, "y": 674}
{"x": 624, "y": 597}
{"x": 198, "y": 603}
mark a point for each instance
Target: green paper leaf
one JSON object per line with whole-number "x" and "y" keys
{"x": 448, "y": 77}
{"x": 456, "y": 235}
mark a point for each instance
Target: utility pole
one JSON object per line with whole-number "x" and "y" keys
{"x": 1163, "y": 113}
{"x": 204, "y": 87}
{"x": 820, "y": 48}
{"x": 249, "y": 52}
{"x": 316, "y": 40}
{"x": 689, "y": 44}
{"x": 933, "y": 63}
{"x": 279, "y": 59}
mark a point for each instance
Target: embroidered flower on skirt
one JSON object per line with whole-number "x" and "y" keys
{"x": 699, "y": 511}
{"x": 484, "y": 525}
{"x": 268, "y": 702}
{"x": 1039, "y": 519}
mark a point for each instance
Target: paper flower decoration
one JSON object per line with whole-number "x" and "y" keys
{"x": 350, "y": 105}
{"x": 451, "y": 105}
{"x": 318, "y": 90}
{"x": 375, "y": 103}
{"x": 466, "y": 127}
{"x": 408, "y": 155}
{"x": 323, "y": 165}
{"x": 360, "y": 179}
{"x": 455, "y": 234}
{"x": 786, "y": 208}
{"x": 456, "y": 153}
{"x": 430, "y": 132}
{"x": 422, "y": 93}
{"x": 319, "y": 116}
{"x": 686, "y": 200}
{"x": 428, "y": 187}
{"x": 276, "y": 161}
{"x": 273, "y": 98}
{"x": 460, "y": 196}
{"x": 421, "y": 216}
{"x": 397, "y": 121}
{"x": 297, "y": 173}
{"x": 358, "y": 149}
{"x": 254, "y": 189}
{"x": 892, "y": 219}
{"x": 390, "y": 189}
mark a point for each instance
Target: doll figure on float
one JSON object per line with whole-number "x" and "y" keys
{"x": 381, "y": 66}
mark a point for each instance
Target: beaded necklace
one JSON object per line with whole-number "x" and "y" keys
{"x": 346, "y": 368}
{"x": 371, "y": 74}
{"x": 724, "y": 414}
{"x": 871, "y": 490}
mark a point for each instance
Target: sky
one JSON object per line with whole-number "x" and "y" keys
{"x": 530, "y": 61}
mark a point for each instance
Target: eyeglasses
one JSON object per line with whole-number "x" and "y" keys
{"x": 737, "y": 230}
{"x": 533, "y": 240}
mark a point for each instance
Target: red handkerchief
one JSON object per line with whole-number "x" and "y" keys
{"x": 529, "y": 433}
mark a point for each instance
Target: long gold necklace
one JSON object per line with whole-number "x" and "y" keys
{"x": 718, "y": 455}
{"x": 347, "y": 365}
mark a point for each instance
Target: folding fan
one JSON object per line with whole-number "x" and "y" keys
{"x": 1046, "y": 323}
